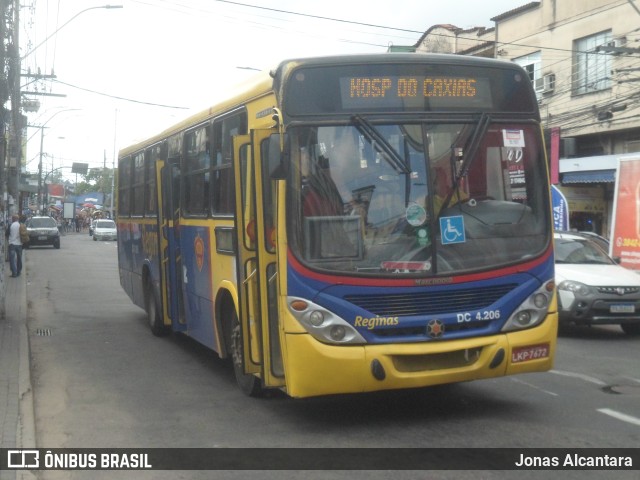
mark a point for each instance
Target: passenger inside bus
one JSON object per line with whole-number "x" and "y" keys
{"x": 442, "y": 185}
{"x": 320, "y": 193}
{"x": 333, "y": 213}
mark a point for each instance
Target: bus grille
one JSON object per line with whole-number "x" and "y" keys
{"x": 430, "y": 303}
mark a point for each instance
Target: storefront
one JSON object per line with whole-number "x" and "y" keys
{"x": 587, "y": 208}
{"x": 588, "y": 184}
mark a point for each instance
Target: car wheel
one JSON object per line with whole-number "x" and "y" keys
{"x": 95, "y": 239}
{"x": 56, "y": 244}
{"x": 631, "y": 328}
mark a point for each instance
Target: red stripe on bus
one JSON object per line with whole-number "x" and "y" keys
{"x": 411, "y": 282}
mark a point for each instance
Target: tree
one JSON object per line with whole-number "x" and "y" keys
{"x": 96, "y": 180}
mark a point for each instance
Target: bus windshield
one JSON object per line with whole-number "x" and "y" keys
{"x": 417, "y": 199}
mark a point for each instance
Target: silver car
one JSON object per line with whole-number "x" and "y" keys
{"x": 592, "y": 288}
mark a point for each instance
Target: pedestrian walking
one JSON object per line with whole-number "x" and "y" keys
{"x": 15, "y": 246}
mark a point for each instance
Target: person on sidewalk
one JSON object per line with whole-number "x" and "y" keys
{"x": 15, "y": 247}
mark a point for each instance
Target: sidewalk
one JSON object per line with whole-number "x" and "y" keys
{"x": 17, "y": 419}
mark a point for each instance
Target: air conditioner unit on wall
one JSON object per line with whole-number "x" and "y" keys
{"x": 549, "y": 82}
{"x": 546, "y": 84}
{"x": 618, "y": 42}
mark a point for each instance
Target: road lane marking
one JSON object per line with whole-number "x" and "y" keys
{"x": 581, "y": 376}
{"x": 632, "y": 379}
{"x": 620, "y": 416}
{"x": 535, "y": 387}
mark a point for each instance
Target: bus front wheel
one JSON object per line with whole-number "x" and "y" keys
{"x": 157, "y": 326}
{"x": 249, "y": 384}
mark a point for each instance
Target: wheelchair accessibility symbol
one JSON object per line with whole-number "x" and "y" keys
{"x": 452, "y": 230}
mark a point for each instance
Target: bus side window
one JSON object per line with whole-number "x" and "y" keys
{"x": 150, "y": 192}
{"x": 137, "y": 204}
{"x": 174, "y": 152}
{"x": 224, "y": 130}
{"x": 197, "y": 163}
{"x": 124, "y": 193}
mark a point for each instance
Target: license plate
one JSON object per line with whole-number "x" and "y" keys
{"x": 531, "y": 352}
{"x": 42, "y": 237}
{"x": 622, "y": 309}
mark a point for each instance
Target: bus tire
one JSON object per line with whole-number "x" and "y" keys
{"x": 157, "y": 326}
{"x": 249, "y": 384}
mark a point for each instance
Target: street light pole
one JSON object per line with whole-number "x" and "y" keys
{"x": 113, "y": 163}
{"x": 65, "y": 24}
{"x": 40, "y": 168}
{"x": 42, "y": 127}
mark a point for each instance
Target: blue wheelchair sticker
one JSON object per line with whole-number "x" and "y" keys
{"x": 452, "y": 230}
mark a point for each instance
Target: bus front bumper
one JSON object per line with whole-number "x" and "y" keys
{"x": 321, "y": 369}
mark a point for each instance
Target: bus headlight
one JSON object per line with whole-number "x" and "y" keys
{"x": 323, "y": 324}
{"x": 533, "y": 310}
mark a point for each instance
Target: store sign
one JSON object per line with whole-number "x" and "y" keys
{"x": 585, "y": 199}
{"x": 625, "y": 233}
{"x": 560, "y": 209}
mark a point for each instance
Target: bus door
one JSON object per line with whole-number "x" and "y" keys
{"x": 172, "y": 291}
{"x": 256, "y": 234}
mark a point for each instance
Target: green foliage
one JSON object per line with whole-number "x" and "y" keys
{"x": 96, "y": 180}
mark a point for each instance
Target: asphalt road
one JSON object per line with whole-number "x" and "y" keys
{"x": 101, "y": 379}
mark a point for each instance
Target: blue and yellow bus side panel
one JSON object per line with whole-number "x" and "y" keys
{"x": 204, "y": 272}
{"x": 137, "y": 253}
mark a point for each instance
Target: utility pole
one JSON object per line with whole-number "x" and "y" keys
{"x": 18, "y": 121}
{"x": 4, "y": 97}
{"x": 9, "y": 89}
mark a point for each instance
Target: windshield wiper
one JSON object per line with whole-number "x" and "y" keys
{"x": 390, "y": 154}
{"x": 469, "y": 153}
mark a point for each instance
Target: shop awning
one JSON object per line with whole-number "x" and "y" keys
{"x": 593, "y": 176}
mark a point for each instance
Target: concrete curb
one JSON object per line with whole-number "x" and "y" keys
{"x": 26, "y": 427}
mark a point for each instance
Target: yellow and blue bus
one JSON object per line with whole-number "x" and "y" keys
{"x": 350, "y": 224}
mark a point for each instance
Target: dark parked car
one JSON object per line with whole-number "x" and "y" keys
{"x": 43, "y": 231}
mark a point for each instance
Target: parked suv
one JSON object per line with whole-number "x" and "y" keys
{"x": 592, "y": 288}
{"x": 43, "y": 231}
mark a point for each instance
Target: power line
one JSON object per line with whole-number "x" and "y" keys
{"x": 120, "y": 98}
{"x": 319, "y": 17}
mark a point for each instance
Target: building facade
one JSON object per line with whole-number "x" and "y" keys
{"x": 584, "y": 60}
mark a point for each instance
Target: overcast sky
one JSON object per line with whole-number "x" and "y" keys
{"x": 128, "y": 73}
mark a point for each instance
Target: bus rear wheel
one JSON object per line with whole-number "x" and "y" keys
{"x": 249, "y": 384}
{"x": 157, "y": 326}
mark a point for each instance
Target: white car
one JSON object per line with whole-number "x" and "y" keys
{"x": 105, "y": 230}
{"x": 592, "y": 288}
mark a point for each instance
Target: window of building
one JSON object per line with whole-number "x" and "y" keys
{"x": 591, "y": 68}
{"x": 532, "y": 65}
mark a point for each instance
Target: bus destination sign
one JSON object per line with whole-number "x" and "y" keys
{"x": 414, "y": 91}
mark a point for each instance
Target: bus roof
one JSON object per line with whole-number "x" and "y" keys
{"x": 272, "y": 81}
{"x": 256, "y": 86}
